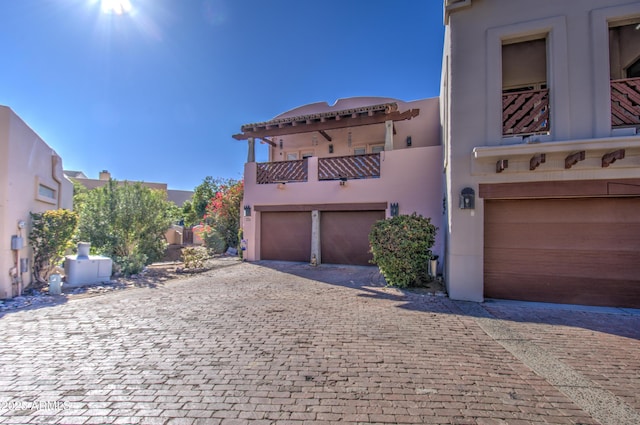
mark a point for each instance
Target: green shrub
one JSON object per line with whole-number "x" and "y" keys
{"x": 130, "y": 264}
{"x": 401, "y": 247}
{"x": 194, "y": 257}
{"x": 213, "y": 241}
{"x": 126, "y": 222}
{"x": 50, "y": 236}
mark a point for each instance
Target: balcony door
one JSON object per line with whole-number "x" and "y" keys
{"x": 525, "y": 95}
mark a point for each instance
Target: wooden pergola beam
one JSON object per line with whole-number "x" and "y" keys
{"x": 272, "y": 143}
{"x": 325, "y": 135}
{"x": 329, "y": 124}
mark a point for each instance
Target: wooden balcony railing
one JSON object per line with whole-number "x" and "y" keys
{"x": 625, "y": 102}
{"x": 349, "y": 167}
{"x": 284, "y": 171}
{"x": 525, "y": 112}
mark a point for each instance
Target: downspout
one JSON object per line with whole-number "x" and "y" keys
{"x": 55, "y": 162}
{"x": 16, "y": 270}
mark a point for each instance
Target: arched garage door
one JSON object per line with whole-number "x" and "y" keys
{"x": 578, "y": 251}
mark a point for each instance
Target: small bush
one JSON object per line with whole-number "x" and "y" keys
{"x": 194, "y": 257}
{"x": 214, "y": 242}
{"x": 131, "y": 264}
{"x": 50, "y": 236}
{"x": 401, "y": 247}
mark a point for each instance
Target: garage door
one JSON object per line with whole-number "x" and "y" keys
{"x": 577, "y": 251}
{"x": 345, "y": 236}
{"x": 285, "y": 236}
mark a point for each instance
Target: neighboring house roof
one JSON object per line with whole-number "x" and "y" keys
{"x": 321, "y": 117}
{"x": 75, "y": 174}
{"x": 179, "y": 197}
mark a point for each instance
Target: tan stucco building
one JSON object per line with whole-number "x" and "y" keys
{"x": 31, "y": 180}
{"x": 540, "y": 115}
{"x": 178, "y": 197}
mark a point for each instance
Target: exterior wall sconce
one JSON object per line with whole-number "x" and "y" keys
{"x": 247, "y": 210}
{"x": 394, "y": 209}
{"x": 343, "y": 181}
{"x": 409, "y": 141}
{"x": 467, "y": 199}
{"x": 280, "y": 143}
{"x": 330, "y": 148}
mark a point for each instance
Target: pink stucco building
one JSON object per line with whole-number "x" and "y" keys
{"x": 333, "y": 171}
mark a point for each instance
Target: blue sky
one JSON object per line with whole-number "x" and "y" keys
{"x": 155, "y": 93}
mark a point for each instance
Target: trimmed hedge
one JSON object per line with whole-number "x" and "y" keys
{"x": 401, "y": 247}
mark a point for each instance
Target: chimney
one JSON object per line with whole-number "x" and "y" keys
{"x": 105, "y": 175}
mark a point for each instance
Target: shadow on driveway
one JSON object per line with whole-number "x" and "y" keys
{"x": 609, "y": 320}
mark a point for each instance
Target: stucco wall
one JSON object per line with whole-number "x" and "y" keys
{"x": 578, "y": 80}
{"x": 27, "y": 161}
{"x": 411, "y": 177}
{"x": 423, "y": 129}
{"x": 95, "y": 183}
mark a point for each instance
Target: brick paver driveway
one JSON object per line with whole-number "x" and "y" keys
{"x": 262, "y": 343}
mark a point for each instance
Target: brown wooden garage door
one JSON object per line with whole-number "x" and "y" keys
{"x": 345, "y": 236}
{"x": 285, "y": 236}
{"x": 576, "y": 251}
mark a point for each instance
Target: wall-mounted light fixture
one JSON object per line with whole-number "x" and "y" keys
{"x": 247, "y": 210}
{"x": 394, "y": 209}
{"x": 280, "y": 143}
{"x": 467, "y": 199}
{"x": 409, "y": 142}
{"x": 330, "y": 148}
{"x": 343, "y": 181}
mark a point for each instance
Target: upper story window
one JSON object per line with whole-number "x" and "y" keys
{"x": 363, "y": 150}
{"x": 45, "y": 192}
{"x": 624, "y": 68}
{"x": 525, "y": 96}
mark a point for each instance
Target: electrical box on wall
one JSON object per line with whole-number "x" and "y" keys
{"x": 16, "y": 242}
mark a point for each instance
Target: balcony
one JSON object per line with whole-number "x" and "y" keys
{"x": 525, "y": 113}
{"x": 334, "y": 168}
{"x": 625, "y": 103}
{"x": 349, "y": 167}
{"x": 284, "y": 171}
